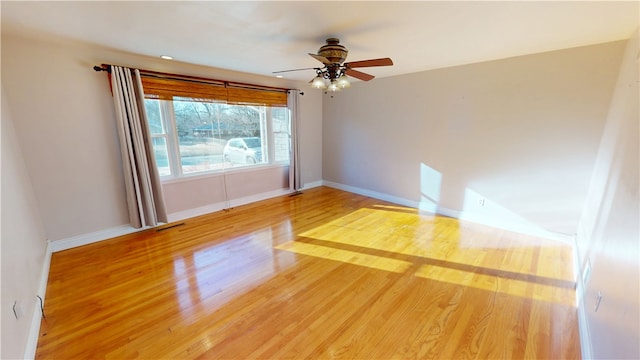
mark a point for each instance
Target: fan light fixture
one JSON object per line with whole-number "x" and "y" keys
{"x": 333, "y": 86}
{"x": 318, "y": 83}
{"x": 331, "y": 78}
{"x": 343, "y": 81}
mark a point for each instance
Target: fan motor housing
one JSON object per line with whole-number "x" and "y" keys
{"x": 333, "y": 51}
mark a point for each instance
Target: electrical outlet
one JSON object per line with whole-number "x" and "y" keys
{"x": 481, "y": 202}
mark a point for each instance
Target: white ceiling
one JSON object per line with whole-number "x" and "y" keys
{"x": 265, "y": 36}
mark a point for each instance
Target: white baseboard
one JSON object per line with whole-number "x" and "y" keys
{"x": 186, "y": 214}
{"x": 583, "y": 323}
{"x": 518, "y": 227}
{"x": 580, "y": 265}
{"x": 259, "y": 197}
{"x": 182, "y": 215}
{"x": 312, "y": 185}
{"x": 203, "y": 210}
{"x": 372, "y": 194}
{"x": 34, "y": 328}
{"x": 85, "y": 239}
{"x": 461, "y": 215}
{"x": 64, "y": 244}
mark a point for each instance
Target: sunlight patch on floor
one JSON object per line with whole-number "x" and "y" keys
{"x": 513, "y": 264}
{"x": 516, "y": 287}
{"x": 350, "y": 257}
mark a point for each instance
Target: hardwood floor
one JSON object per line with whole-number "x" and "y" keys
{"x": 325, "y": 274}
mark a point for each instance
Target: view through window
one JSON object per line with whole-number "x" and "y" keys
{"x": 195, "y": 135}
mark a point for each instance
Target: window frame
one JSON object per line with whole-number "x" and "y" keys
{"x": 172, "y": 141}
{"x": 168, "y": 88}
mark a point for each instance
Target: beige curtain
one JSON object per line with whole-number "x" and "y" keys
{"x": 142, "y": 181}
{"x": 293, "y": 103}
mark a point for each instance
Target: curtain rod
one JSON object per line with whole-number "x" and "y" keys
{"x": 107, "y": 68}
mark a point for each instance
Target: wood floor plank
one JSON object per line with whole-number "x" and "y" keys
{"x": 325, "y": 274}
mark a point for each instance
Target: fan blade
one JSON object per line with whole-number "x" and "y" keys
{"x": 322, "y": 59}
{"x": 358, "y": 74}
{"x": 368, "y": 63}
{"x": 282, "y": 71}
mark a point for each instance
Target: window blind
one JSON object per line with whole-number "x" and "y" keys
{"x": 169, "y": 86}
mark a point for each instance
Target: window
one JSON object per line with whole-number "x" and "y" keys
{"x": 206, "y": 134}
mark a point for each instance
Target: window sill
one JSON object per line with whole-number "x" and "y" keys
{"x": 218, "y": 173}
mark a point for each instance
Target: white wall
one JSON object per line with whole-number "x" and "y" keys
{"x": 310, "y": 128}
{"x": 609, "y": 237}
{"x": 520, "y": 133}
{"x": 23, "y": 243}
{"x": 64, "y": 119}
{"x": 201, "y": 194}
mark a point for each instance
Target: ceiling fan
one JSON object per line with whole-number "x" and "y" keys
{"x": 333, "y": 75}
